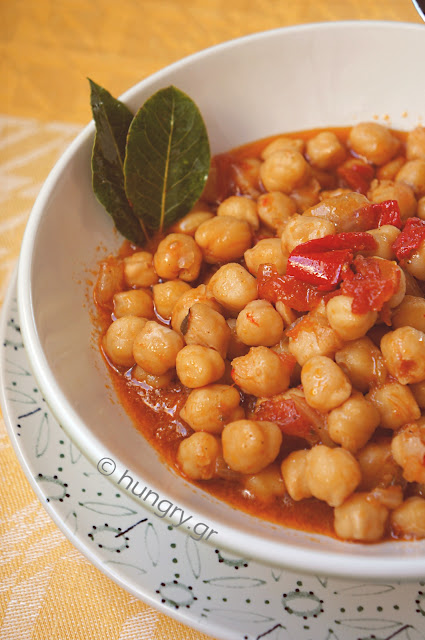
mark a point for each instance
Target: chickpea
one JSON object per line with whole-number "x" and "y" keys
{"x": 306, "y": 195}
{"x": 347, "y": 324}
{"x": 197, "y": 456}
{"x": 404, "y": 354}
{"x": 259, "y": 324}
{"x": 413, "y": 174}
{"x": 210, "y": 408}
{"x": 325, "y": 151}
{"x": 377, "y": 465}
{"x": 391, "y": 497}
{"x": 247, "y": 176}
{"x": 313, "y": 336}
{"x": 332, "y": 474}
{"x": 286, "y": 313}
{"x": 374, "y": 142}
{"x": 198, "y": 366}
{"x": 408, "y": 449}
{"x": 284, "y": 171}
{"x": 236, "y": 348}
{"x": 363, "y": 363}
{"x": 205, "y": 326}
{"x": 418, "y": 391}
{"x": 361, "y": 517}
{"x": 266, "y": 251}
{"x": 415, "y": 144}
{"x": 109, "y": 281}
{"x": 389, "y": 170}
{"x": 178, "y": 256}
{"x": 283, "y": 143}
{"x": 302, "y": 228}
{"x": 261, "y": 372}
{"x": 265, "y": 485}
{"x": 223, "y": 239}
{"x": 155, "y": 348}
{"x": 399, "y": 294}
{"x": 250, "y": 446}
{"x": 408, "y": 520}
{"x": 166, "y": 294}
{"x": 340, "y": 210}
{"x": 385, "y": 237}
{"x": 415, "y": 264}
{"x": 240, "y": 207}
{"x": 274, "y": 209}
{"x": 389, "y": 190}
{"x": 119, "y": 338}
{"x": 395, "y": 403}
{"x": 135, "y": 302}
{"x": 154, "y": 382}
{"x": 421, "y": 208}
{"x": 188, "y": 299}
{"x": 233, "y": 287}
{"x": 352, "y": 423}
{"x": 293, "y": 469}
{"x": 325, "y": 384}
{"x": 191, "y": 221}
{"x": 139, "y": 270}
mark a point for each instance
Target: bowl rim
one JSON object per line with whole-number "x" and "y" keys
{"x": 332, "y": 563}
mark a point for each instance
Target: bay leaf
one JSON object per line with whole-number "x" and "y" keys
{"x": 167, "y": 158}
{"x": 112, "y": 119}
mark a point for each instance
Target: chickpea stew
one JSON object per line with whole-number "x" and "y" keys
{"x": 271, "y": 345}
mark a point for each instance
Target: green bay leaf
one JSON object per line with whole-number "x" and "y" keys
{"x": 112, "y": 119}
{"x": 167, "y": 159}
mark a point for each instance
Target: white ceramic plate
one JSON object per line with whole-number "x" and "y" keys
{"x": 228, "y": 597}
{"x": 301, "y": 77}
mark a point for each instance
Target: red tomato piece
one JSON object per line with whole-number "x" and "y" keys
{"x": 284, "y": 412}
{"x": 357, "y": 176}
{"x": 409, "y": 239}
{"x": 372, "y": 284}
{"x": 296, "y": 294}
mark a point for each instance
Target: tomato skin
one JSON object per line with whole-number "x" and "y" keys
{"x": 372, "y": 284}
{"x": 409, "y": 239}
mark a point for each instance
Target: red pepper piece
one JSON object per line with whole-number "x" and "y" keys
{"x": 298, "y": 295}
{"x": 322, "y": 269}
{"x": 409, "y": 239}
{"x": 353, "y": 240}
{"x": 357, "y": 176}
{"x": 374, "y": 282}
{"x": 285, "y": 414}
{"x": 389, "y": 213}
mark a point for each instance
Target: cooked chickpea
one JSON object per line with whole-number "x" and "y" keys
{"x": 265, "y": 485}
{"x": 418, "y": 391}
{"x": 266, "y": 251}
{"x": 249, "y": 446}
{"x": 421, "y": 208}
{"x": 261, "y": 372}
{"x": 247, "y": 176}
{"x": 325, "y": 151}
{"x": 185, "y": 301}
{"x": 415, "y": 264}
{"x": 205, "y": 326}
{"x": 198, "y": 366}
{"x": 259, "y": 324}
{"x": 284, "y": 171}
{"x": 347, "y": 324}
{"x": 233, "y": 287}
{"x": 377, "y": 465}
{"x": 408, "y": 449}
{"x": 352, "y": 423}
{"x": 178, "y": 256}
{"x": 155, "y": 382}
{"x": 240, "y": 207}
{"x": 210, "y": 408}
{"x": 306, "y": 195}
{"x": 236, "y": 348}
{"x": 286, "y": 313}
{"x": 332, "y": 474}
{"x": 374, "y": 142}
{"x": 109, "y": 281}
{"x": 293, "y": 469}
{"x": 197, "y": 456}
{"x": 408, "y": 520}
{"x": 156, "y": 347}
{"x": 363, "y": 363}
{"x": 385, "y": 237}
{"x": 395, "y": 403}
{"x": 283, "y": 143}
{"x": 119, "y": 338}
{"x": 191, "y": 221}
{"x": 135, "y": 302}
{"x": 339, "y": 210}
{"x": 223, "y": 239}
{"x": 413, "y": 174}
{"x": 166, "y": 294}
{"x": 302, "y": 228}
{"x": 274, "y": 209}
{"x": 389, "y": 190}
{"x": 313, "y": 336}
{"x": 139, "y": 270}
{"x": 389, "y": 170}
{"x": 415, "y": 143}
{"x": 362, "y": 517}
{"x": 325, "y": 384}
{"x": 404, "y": 354}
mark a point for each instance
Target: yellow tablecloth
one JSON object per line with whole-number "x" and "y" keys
{"x": 47, "y": 49}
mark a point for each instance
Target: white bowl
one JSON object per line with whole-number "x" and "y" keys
{"x": 282, "y": 80}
